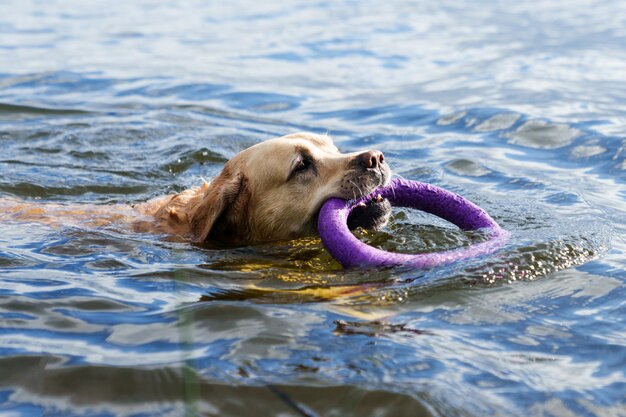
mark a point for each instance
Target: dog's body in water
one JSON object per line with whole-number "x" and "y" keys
{"x": 270, "y": 191}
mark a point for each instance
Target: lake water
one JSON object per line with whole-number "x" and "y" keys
{"x": 521, "y": 107}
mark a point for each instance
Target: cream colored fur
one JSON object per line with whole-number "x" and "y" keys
{"x": 266, "y": 192}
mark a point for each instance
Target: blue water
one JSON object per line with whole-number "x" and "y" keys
{"x": 520, "y": 107}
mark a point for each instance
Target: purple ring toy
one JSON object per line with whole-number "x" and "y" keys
{"x": 351, "y": 252}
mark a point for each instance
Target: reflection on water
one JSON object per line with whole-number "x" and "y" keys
{"x": 519, "y": 107}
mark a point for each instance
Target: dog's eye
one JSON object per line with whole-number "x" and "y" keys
{"x": 303, "y": 165}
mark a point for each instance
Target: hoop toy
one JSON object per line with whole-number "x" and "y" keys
{"x": 351, "y": 252}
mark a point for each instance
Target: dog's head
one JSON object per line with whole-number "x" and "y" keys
{"x": 275, "y": 189}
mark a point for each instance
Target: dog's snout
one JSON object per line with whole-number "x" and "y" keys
{"x": 371, "y": 159}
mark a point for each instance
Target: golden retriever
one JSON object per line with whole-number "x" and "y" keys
{"x": 270, "y": 191}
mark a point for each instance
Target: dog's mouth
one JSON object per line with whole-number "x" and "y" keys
{"x": 370, "y": 213}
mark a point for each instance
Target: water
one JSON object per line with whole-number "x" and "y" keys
{"x": 520, "y": 107}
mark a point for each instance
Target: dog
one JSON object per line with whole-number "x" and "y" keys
{"x": 270, "y": 191}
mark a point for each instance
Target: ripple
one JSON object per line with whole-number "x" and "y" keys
{"x": 190, "y": 158}
{"x": 195, "y": 92}
{"x": 501, "y": 121}
{"x": 543, "y": 135}
{"x": 587, "y": 151}
{"x": 260, "y": 102}
{"x": 10, "y": 112}
{"x": 126, "y": 391}
{"x": 36, "y": 190}
{"x": 450, "y": 119}
{"x": 467, "y": 167}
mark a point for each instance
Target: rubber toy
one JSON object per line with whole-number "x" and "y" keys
{"x": 352, "y": 253}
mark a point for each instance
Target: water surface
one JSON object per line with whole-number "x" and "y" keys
{"x": 519, "y": 107}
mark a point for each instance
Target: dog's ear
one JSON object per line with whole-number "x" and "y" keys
{"x": 221, "y": 208}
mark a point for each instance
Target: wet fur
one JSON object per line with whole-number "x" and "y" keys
{"x": 256, "y": 198}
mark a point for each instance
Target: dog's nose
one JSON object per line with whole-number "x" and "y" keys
{"x": 371, "y": 159}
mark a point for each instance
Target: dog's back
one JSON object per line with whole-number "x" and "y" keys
{"x": 57, "y": 214}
